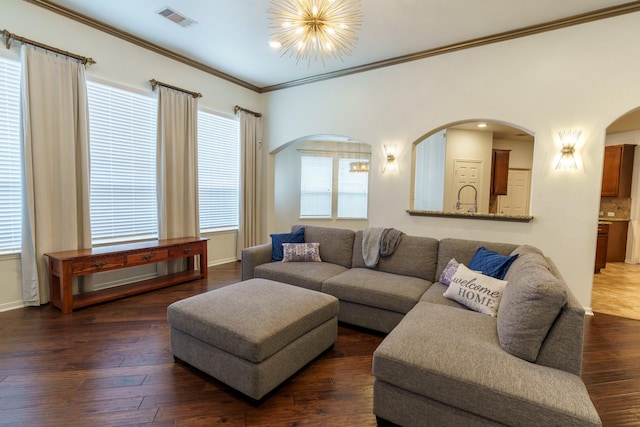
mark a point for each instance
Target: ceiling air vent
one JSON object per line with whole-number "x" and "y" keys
{"x": 176, "y": 17}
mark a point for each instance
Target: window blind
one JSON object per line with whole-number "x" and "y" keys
{"x": 122, "y": 142}
{"x": 218, "y": 172}
{"x": 352, "y": 191}
{"x": 316, "y": 184}
{"x": 10, "y": 199}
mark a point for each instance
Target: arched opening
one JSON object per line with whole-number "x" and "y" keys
{"x": 481, "y": 167}
{"x": 617, "y": 269}
{"x": 322, "y": 180}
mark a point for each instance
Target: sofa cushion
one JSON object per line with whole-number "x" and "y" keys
{"x": 530, "y": 305}
{"x": 308, "y": 275}
{"x": 301, "y": 252}
{"x": 476, "y": 375}
{"x": 491, "y": 263}
{"x": 463, "y": 250}
{"x": 278, "y": 239}
{"x": 475, "y": 290}
{"x": 435, "y": 295}
{"x": 415, "y": 256}
{"x": 336, "y": 244}
{"x": 376, "y": 289}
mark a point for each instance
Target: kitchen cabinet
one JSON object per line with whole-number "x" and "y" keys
{"x": 618, "y": 170}
{"x": 499, "y": 172}
{"x": 617, "y": 241}
{"x": 601, "y": 247}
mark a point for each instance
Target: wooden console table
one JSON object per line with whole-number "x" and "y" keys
{"x": 64, "y": 266}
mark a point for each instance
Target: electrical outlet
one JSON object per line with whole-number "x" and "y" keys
{"x": 611, "y": 214}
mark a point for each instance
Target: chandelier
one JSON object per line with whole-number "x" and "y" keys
{"x": 315, "y": 28}
{"x": 359, "y": 167}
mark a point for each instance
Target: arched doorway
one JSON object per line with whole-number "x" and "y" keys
{"x": 616, "y": 287}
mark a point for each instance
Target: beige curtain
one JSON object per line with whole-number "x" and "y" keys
{"x": 250, "y": 177}
{"x": 177, "y": 167}
{"x": 55, "y": 153}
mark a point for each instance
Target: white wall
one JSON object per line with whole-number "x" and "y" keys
{"x": 581, "y": 77}
{"x": 124, "y": 64}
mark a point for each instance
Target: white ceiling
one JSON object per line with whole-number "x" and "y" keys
{"x": 232, "y": 35}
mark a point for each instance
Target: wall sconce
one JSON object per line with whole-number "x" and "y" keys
{"x": 567, "y": 160}
{"x": 390, "y": 164}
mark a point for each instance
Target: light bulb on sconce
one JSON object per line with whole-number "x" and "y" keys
{"x": 390, "y": 164}
{"x": 567, "y": 160}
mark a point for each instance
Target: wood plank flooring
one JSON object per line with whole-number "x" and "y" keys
{"x": 616, "y": 290}
{"x": 109, "y": 365}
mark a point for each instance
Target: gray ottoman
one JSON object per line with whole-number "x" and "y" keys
{"x": 253, "y": 335}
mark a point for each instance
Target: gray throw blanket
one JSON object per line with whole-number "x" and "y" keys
{"x": 377, "y": 242}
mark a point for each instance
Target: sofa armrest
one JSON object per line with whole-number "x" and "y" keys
{"x": 253, "y": 257}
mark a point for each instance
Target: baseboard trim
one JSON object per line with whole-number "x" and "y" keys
{"x": 221, "y": 261}
{"x": 588, "y": 311}
{"x": 11, "y": 306}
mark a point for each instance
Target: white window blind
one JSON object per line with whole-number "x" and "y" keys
{"x": 10, "y": 199}
{"x": 218, "y": 172}
{"x": 123, "y": 164}
{"x": 353, "y": 191}
{"x": 316, "y": 186}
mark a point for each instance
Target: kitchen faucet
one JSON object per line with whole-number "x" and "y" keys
{"x": 473, "y": 208}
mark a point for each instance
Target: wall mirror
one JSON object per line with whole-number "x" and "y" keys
{"x": 476, "y": 169}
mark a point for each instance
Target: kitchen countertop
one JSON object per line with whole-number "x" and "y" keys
{"x": 613, "y": 219}
{"x": 472, "y": 215}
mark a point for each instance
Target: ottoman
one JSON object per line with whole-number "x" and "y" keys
{"x": 253, "y": 335}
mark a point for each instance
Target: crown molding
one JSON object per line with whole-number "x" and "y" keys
{"x": 583, "y": 18}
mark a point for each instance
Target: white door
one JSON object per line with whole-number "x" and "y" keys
{"x": 516, "y": 202}
{"x": 467, "y": 172}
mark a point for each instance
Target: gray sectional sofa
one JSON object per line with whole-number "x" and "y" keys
{"x": 442, "y": 363}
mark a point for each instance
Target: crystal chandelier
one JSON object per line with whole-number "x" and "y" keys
{"x": 315, "y": 28}
{"x": 359, "y": 167}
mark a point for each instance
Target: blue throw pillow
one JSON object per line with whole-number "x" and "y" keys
{"x": 278, "y": 239}
{"x": 491, "y": 263}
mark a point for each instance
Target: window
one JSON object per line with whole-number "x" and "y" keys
{"x": 352, "y": 191}
{"x": 329, "y": 189}
{"x": 316, "y": 185}
{"x": 218, "y": 172}
{"x": 122, "y": 127}
{"x": 10, "y": 186}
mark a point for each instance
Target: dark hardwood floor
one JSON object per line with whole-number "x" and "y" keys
{"x": 109, "y": 365}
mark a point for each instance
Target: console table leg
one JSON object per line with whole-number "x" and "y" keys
{"x": 66, "y": 289}
{"x": 204, "y": 261}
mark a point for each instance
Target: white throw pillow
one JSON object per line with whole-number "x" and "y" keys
{"x": 474, "y": 290}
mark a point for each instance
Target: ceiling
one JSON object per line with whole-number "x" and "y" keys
{"x": 231, "y": 36}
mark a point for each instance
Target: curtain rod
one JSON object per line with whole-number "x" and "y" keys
{"x": 8, "y": 37}
{"x": 155, "y": 83}
{"x": 239, "y": 108}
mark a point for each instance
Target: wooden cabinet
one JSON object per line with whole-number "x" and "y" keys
{"x": 617, "y": 241}
{"x": 601, "y": 247}
{"x": 64, "y": 266}
{"x": 618, "y": 170}
{"x": 499, "y": 172}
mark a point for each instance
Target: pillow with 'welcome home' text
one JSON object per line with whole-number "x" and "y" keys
{"x": 474, "y": 290}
